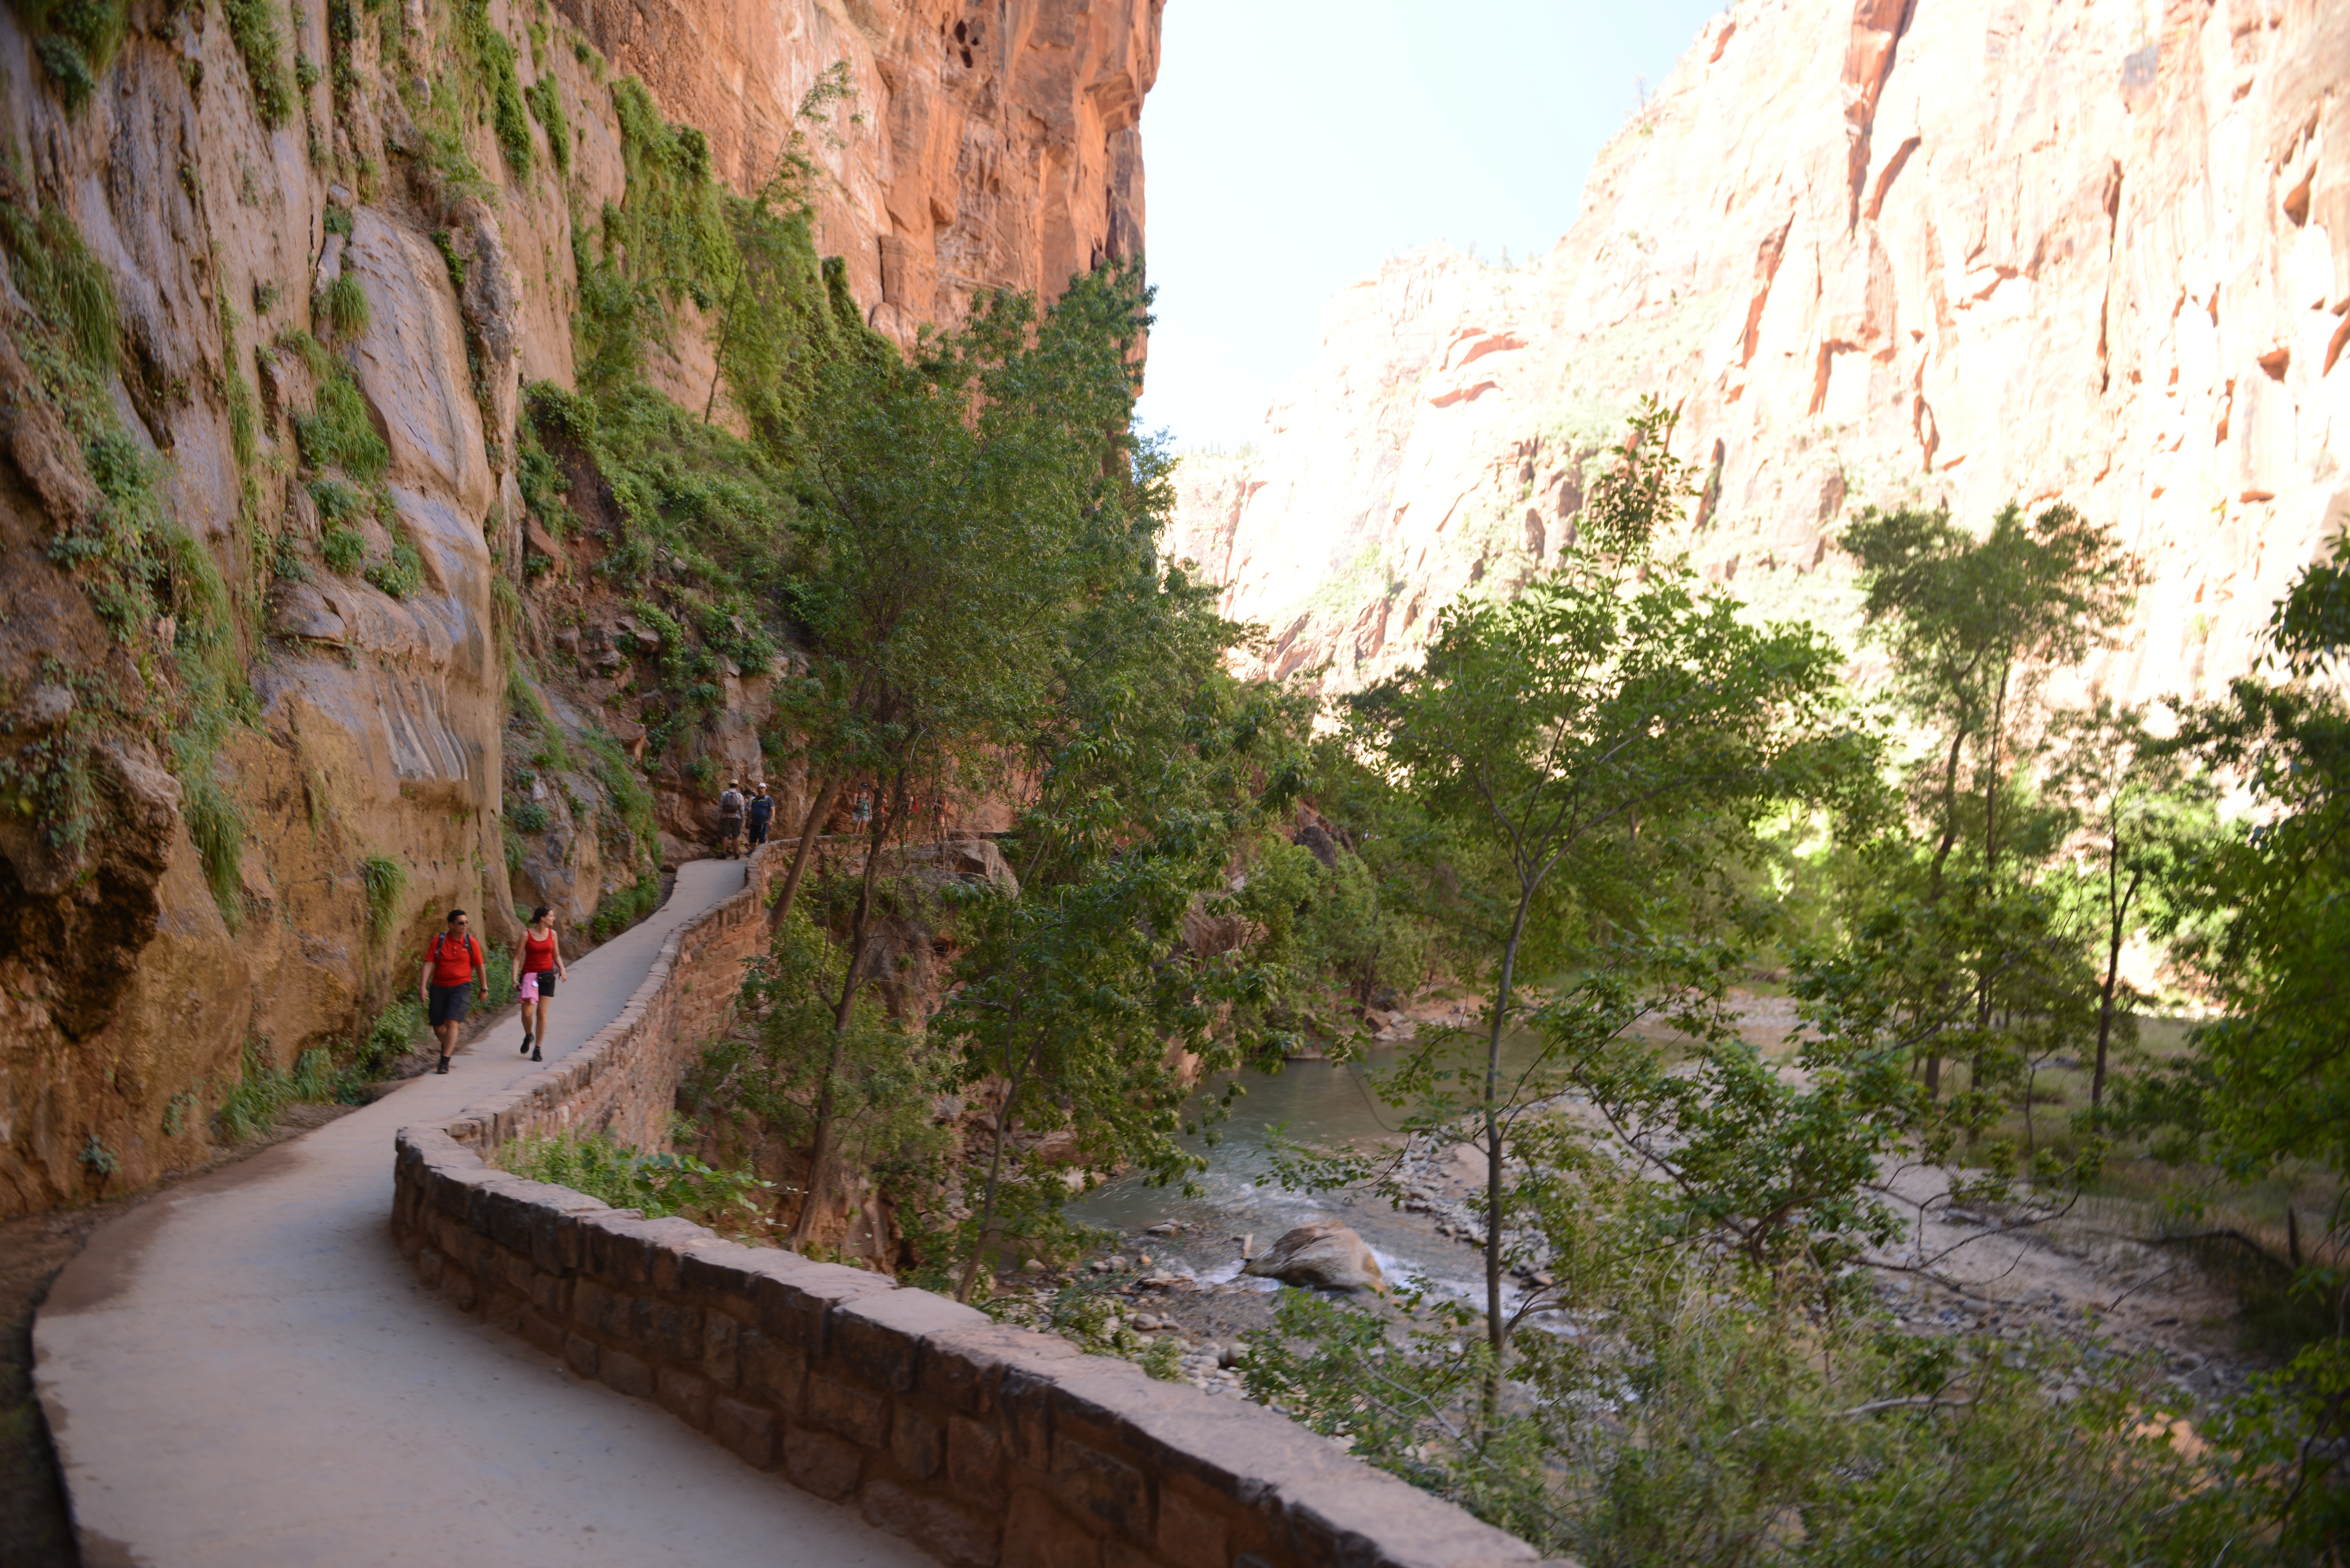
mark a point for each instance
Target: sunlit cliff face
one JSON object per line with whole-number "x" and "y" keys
{"x": 2003, "y": 251}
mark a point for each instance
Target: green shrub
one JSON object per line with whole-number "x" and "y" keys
{"x": 394, "y": 1030}
{"x": 344, "y": 547}
{"x": 76, "y": 40}
{"x": 175, "y": 1112}
{"x": 249, "y": 1109}
{"x": 339, "y": 221}
{"x": 400, "y": 575}
{"x": 253, "y": 24}
{"x": 531, "y": 816}
{"x": 616, "y": 913}
{"x": 337, "y": 431}
{"x": 337, "y": 501}
{"x": 285, "y": 560}
{"x": 498, "y": 965}
{"x": 546, "y": 103}
{"x": 344, "y": 307}
{"x": 492, "y": 57}
{"x": 657, "y": 1184}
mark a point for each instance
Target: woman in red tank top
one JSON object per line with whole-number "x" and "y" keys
{"x": 536, "y": 968}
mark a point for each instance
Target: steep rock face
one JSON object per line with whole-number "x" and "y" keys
{"x": 999, "y": 143}
{"x": 1947, "y": 252}
{"x": 365, "y": 722}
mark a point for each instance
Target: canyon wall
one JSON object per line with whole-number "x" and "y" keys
{"x": 224, "y": 838}
{"x": 1937, "y": 252}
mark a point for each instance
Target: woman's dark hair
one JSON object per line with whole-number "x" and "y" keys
{"x": 539, "y": 914}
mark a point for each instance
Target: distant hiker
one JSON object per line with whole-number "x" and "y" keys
{"x": 762, "y": 812}
{"x": 730, "y": 818}
{"x": 536, "y": 969}
{"x": 452, "y": 970}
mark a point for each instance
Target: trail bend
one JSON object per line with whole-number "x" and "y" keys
{"x": 245, "y": 1371}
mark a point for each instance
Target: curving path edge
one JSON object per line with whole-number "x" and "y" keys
{"x": 245, "y": 1371}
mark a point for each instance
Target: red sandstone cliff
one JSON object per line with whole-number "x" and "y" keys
{"x": 1943, "y": 251}
{"x": 983, "y": 145}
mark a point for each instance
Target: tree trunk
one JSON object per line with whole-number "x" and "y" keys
{"x": 1934, "y": 880}
{"x": 2122, "y": 899}
{"x": 828, "y": 1097}
{"x": 825, "y": 796}
{"x": 995, "y": 1172}
{"x": 1496, "y": 1324}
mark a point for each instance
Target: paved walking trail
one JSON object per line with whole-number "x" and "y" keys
{"x": 243, "y": 1371}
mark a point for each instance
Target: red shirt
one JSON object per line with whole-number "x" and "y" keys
{"x": 454, "y": 962}
{"x": 537, "y": 953}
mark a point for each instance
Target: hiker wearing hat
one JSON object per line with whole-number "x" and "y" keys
{"x": 762, "y": 812}
{"x": 730, "y": 819}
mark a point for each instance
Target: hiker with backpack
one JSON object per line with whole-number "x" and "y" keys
{"x": 730, "y": 818}
{"x": 536, "y": 968}
{"x": 762, "y": 812}
{"x": 453, "y": 970}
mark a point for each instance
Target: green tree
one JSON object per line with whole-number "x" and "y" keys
{"x": 1973, "y": 628}
{"x": 961, "y": 510}
{"x": 1588, "y": 755}
{"x": 760, "y": 1086}
{"x": 2141, "y": 807}
{"x": 1084, "y": 1009}
{"x": 2264, "y": 911}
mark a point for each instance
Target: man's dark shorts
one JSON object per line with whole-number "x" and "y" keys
{"x": 758, "y": 833}
{"x": 449, "y": 1003}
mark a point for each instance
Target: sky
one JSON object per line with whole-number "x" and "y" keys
{"x": 1292, "y": 145}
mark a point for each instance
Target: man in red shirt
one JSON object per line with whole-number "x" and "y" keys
{"x": 452, "y": 970}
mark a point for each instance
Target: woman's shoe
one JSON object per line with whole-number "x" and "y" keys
{"x": 536, "y": 1057}
{"x": 525, "y": 1039}
{"x": 443, "y": 1067}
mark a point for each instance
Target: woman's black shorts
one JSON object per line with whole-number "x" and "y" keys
{"x": 449, "y": 1003}
{"x": 546, "y": 979}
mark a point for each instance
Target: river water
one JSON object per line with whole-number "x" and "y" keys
{"x": 1322, "y": 1103}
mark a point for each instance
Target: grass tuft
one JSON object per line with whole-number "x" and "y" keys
{"x": 252, "y": 25}
{"x": 216, "y": 822}
{"x": 344, "y": 307}
{"x": 337, "y": 431}
{"x": 384, "y": 880}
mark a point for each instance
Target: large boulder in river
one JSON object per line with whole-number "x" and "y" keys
{"x": 1325, "y": 1255}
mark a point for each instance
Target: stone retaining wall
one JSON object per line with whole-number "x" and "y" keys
{"x": 989, "y": 1446}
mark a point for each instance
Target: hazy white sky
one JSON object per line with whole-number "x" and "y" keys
{"x": 1291, "y": 145}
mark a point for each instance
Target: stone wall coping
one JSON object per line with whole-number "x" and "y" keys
{"x": 989, "y": 1446}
